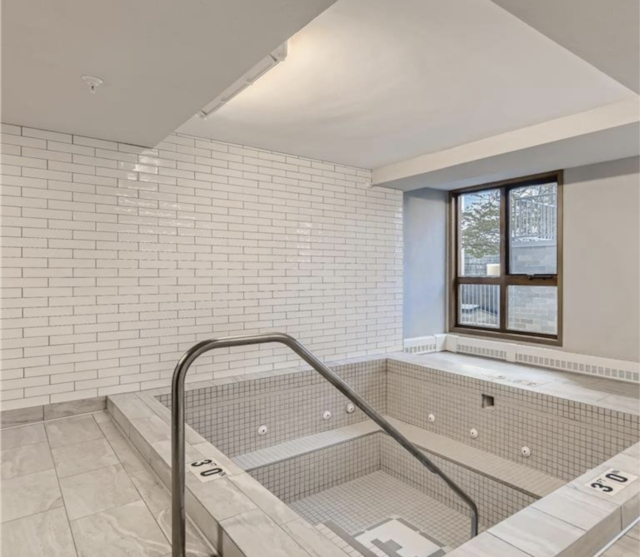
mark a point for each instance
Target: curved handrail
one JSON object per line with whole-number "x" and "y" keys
{"x": 178, "y": 464}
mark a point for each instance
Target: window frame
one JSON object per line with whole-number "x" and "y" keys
{"x": 505, "y": 279}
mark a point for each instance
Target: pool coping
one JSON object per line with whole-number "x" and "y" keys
{"x": 235, "y": 513}
{"x": 563, "y": 385}
{"x": 546, "y": 519}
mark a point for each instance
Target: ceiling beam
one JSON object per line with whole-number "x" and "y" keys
{"x": 605, "y": 133}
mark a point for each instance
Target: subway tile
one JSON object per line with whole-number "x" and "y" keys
{"x": 81, "y": 167}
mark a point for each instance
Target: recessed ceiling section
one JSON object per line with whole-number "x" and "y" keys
{"x": 602, "y": 134}
{"x": 372, "y": 82}
{"x": 604, "y": 33}
{"x": 161, "y": 60}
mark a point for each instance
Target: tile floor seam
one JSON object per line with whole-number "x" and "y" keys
{"x": 132, "y": 482}
{"x": 64, "y": 503}
{"x": 147, "y": 469}
{"x": 511, "y": 545}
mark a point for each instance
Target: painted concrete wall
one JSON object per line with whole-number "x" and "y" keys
{"x": 602, "y": 259}
{"x": 425, "y": 240}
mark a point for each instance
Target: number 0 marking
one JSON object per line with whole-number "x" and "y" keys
{"x": 211, "y": 472}
{"x": 611, "y": 481}
{"x": 207, "y": 470}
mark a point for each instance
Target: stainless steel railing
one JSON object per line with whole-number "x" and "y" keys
{"x": 178, "y": 464}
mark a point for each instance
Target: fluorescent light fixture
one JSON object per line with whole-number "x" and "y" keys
{"x": 255, "y": 73}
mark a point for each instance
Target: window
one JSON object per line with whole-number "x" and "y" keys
{"x": 506, "y": 259}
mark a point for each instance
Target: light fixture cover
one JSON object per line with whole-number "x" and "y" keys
{"x": 250, "y": 77}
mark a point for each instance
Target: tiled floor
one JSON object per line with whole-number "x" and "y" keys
{"x": 627, "y": 546}
{"x": 369, "y": 500}
{"x": 76, "y": 487}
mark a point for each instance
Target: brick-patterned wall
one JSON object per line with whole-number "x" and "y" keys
{"x": 116, "y": 259}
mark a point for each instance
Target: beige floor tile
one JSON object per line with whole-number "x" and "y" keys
{"x": 69, "y": 431}
{"x": 45, "y": 534}
{"x": 24, "y": 435}
{"x": 97, "y": 491}
{"x": 25, "y": 460}
{"x": 27, "y": 495}
{"x": 102, "y": 416}
{"x": 83, "y": 457}
{"x": 125, "y": 531}
{"x": 129, "y": 456}
{"x": 196, "y": 547}
{"x": 624, "y": 547}
{"x": 153, "y": 491}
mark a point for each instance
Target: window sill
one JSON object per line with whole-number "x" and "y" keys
{"x": 498, "y": 335}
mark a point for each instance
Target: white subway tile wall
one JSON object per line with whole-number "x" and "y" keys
{"x": 116, "y": 259}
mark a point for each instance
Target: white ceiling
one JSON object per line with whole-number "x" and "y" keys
{"x": 605, "y": 33}
{"x": 602, "y": 134}
{"x": 373, "y": 82}
{"x": 161, "y": 60}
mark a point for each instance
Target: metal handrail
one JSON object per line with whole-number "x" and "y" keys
{"x": 178, "y": 464}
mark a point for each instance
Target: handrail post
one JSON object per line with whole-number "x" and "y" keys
{"x": 179, "y": 517}
{"x": 178, "y": 464}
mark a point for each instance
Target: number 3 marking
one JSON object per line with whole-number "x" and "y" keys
{"x": 201, "y": 462}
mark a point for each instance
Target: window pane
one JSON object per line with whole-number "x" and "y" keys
{"x": 533, "y": 223}
{"x": 533, "y": 309}
{"x": 479, "y": 221}
{"x": 479, "y": 305}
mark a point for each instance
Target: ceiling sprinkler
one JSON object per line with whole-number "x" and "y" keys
{"x": 93, "y": 82}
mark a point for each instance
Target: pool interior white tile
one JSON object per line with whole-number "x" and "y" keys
{"x": 400, "y": 539}
{"x": 370, "y": 500}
